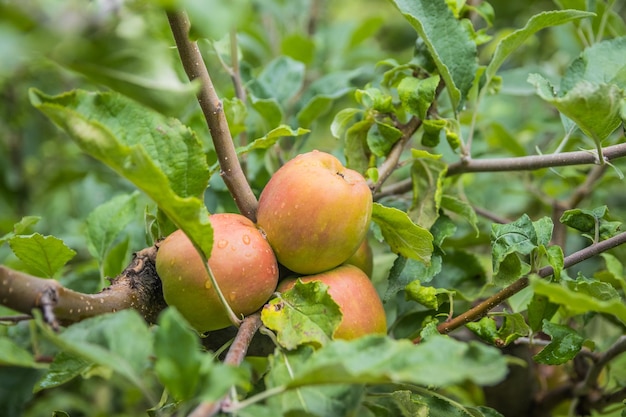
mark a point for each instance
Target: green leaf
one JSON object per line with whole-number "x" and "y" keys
{"x": 381, "y": 138}
{"x": 402, "y": 235}
{"x": 119, "y": 341}
{"x": 564, "y": 346}
{"x": 63, "y": 369}
{"x": 432, "y": 131}
{"x": 20, "y": 227}
{"x": 602, "y": 62}
{"x": 341, "y": 121}
{"x": 576, "y": 302}
{"x": 429, "y": 297}
{"x": 514, "y": 40}
{"x": 299, "y": 47}
{"x": 356, "y": 149}
{"x": 404, "y": 271}
{"x": 595, "y": 224}
{"x": 485, "y": 328}
{"x": 46, "y": 254}
{"x": 281, "y": 79}
{"x": 107, "y": 221}
{"x": 514, "y": 326}
{"x": 304, "y": 314}
{"x": 236, "y": 112}
{"x": 159, "y": 155}
{"x": 462, "y": 208}
{"x": 597, "y": 289}
{"x": 540, "y": 308}
{"x": 438, "y": 361}
{"x": 215, "y": 19}
{"x": 428, "y": 173}
{"x": 375, "y": 99}
{"x": 449, "y": 44}
{"x": 417, "y": 95}
{"x": 518, "y": 238}
{"x": 399, "y": 402}
{"x": 14, "y": 355}
{"x": 595, "y": 108}
{"x": 307, "y": 401}
{"x": 271, "y": 138}
{"x": 268, "y": 109}
{"x": 325, "y": 91}
{"x": 177, "y": 364}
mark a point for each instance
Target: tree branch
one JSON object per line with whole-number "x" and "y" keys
{"x": 236, "y": 354}
{"x": 390, "y": 164}
{"x": 521, "y": 163}
{"x": 211, "y": 106}
{"x": 591, "y": 379}
{"x": 137, "y": 287}
{"x": 485, "y": 306}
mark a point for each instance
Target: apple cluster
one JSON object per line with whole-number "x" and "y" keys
{"x": 313, "y": 218}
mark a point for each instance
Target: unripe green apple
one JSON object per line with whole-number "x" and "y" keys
{"x": 352, "y": 290}
{"x": 241, "y": 260}
{"x": 315, "y": 212}
{"x": 363, "y": 258}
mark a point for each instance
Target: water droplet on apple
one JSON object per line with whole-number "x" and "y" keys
{"x": 222, "y": 243}
{"x": 207, "y": 284}
{"x": 232, "y": 296}
{"x": 246, "y": 239}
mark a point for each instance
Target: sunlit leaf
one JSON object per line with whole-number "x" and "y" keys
{"x": 304, "y": 314}
{"x": 417, "y": 95}
{"x": 516, "y": 39}
{"x": 402, "y": 235}
{"x": 46, "y": 254}
{"x": 427, "y": 173}
{"x": 271, "y": 138}
{"x": 159, "y": 155}
{"x": 438, "y": 361}
{"x": 450, "y": 46}
{"x": 107, "y": 221}
{"x": 578, "y": 302}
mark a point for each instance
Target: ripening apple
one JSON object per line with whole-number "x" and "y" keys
{"x": 314, "y": 212}
{"x": 354, "y": 293}
{"x": 242, "y": 263}
{"x": 363, "y": 258}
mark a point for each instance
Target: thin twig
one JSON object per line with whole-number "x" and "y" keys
{"x": 522, "y": 163}
{"x": 213, "y": 111}
{"x": 391, "y": 162}
{"x": 485, "y": 306}
{"x": 591, "y": 378}
{"x": 236, "y": 354}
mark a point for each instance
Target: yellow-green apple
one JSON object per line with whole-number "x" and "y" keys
{"x": 242, "y": 263}
{"x": 315, "y": 212}
{"x": 363, "y": 258}
{"x": 354, "y": 293}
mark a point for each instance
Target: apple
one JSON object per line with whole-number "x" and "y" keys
{"x": 363, "y": 258}
{"x": 242, "y": 263}
{"x": 354, "y": 293}
{"x": 314, "y": 212}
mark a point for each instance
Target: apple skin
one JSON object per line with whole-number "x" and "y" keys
{"x": 352, "y": 290}
{"x": 363, "y": 258}
{"x": 315, "y": 212}
{"x": 241, "y": 260}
